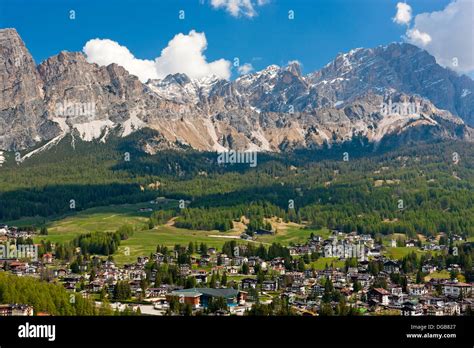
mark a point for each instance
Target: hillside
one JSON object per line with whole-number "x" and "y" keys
{"x": 408, "y": 190}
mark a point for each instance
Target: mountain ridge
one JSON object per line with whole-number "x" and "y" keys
{"x": 274, "y": 109}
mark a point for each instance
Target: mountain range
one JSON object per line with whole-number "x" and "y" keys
{"x": 275, "y": 109}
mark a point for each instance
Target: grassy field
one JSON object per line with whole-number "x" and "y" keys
{"x": 101, "y": 219}
{"x": 444, "y": 274}
{"x": 399, "y": 253}
{"x": 320, "y": 263}
{"x": 144, "y": 242}
{"x": 238, "y": 278}
{"x": 292, "y": 235}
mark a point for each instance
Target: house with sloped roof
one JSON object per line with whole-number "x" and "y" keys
{"x": 248, "y": 283}
{"x": 411, "y": 308}
{"x": 380, "y": 295}
{"x": 202, "y": 296}
{"x": 455, "y": 289}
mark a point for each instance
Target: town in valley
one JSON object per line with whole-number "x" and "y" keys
{"x": 338, "y": 274}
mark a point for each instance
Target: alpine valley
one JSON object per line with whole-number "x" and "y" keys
{"x": 355, "y": 195}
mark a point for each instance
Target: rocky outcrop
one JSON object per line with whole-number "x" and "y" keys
{"x": 275, "y": 109}
{"x": 22, "y": 113}
{"x": 401, "y": 67}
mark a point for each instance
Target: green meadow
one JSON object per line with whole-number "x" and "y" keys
{"x": 295, "y": 235}
{"x": 321, "y": 263}
{"x": 100, "y": 219}
{"x": 144, "y": 242}
{"x": 443, "y": 274}
{"x": 399, "y": 253}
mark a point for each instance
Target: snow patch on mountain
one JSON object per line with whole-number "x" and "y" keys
{"x": 213, "y": 135}
{"x": 89, "y": 131}
{"x": 64, "y": 130}
{"x": 465, "y": 93}
{"x": 131, "y": 125}
{"x": 180, "y": 88}
{"x": 46, "y": 146}
{"x": 393, "y": 122}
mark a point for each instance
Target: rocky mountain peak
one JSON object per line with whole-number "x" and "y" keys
{"x": 21, "y": 94}
{"x": 18, "y": 69}
{"x": 398, "y": 66}
{"x": 274, "y": 109}
{"x": 179, "y": 78}
{"x": 294, "y": 67}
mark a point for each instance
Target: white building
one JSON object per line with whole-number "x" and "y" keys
{"x": 454, "y": 289}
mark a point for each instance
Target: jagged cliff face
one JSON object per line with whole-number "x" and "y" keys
{"x": 87, "y": 100}
{"x": 401, "y": 67}
{"x": 275, "y": 109}
{"x": 22, "y": 119}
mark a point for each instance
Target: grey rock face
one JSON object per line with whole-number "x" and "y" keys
{"x": 110, "y": 94}
{"x": 21, "y": 95}
{"x": 402, "y": 67}
{"x": 275, "y": 109}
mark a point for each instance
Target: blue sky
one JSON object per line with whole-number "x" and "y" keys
{"x": 320, "y": 29}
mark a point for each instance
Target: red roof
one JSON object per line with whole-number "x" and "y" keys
{"x": 381, "y": 291}
{"x": 16, "y": 263}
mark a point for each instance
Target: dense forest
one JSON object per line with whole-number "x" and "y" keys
{"x": 95, "y": 243}
{"x": 43, "y": 296}
{"x": 425, "y": 189}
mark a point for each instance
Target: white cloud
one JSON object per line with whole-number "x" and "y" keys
{"x": 245, "y": 69}
{"x": 451, "y": 34}
{"x": 418, "y": 38}
{"x": 105, "y": 52}
{"x": 403, "y": 15}
{"x": 239, "y": 8}
{"x": 184, "y": 54}
{"x": 294, "y": 61}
